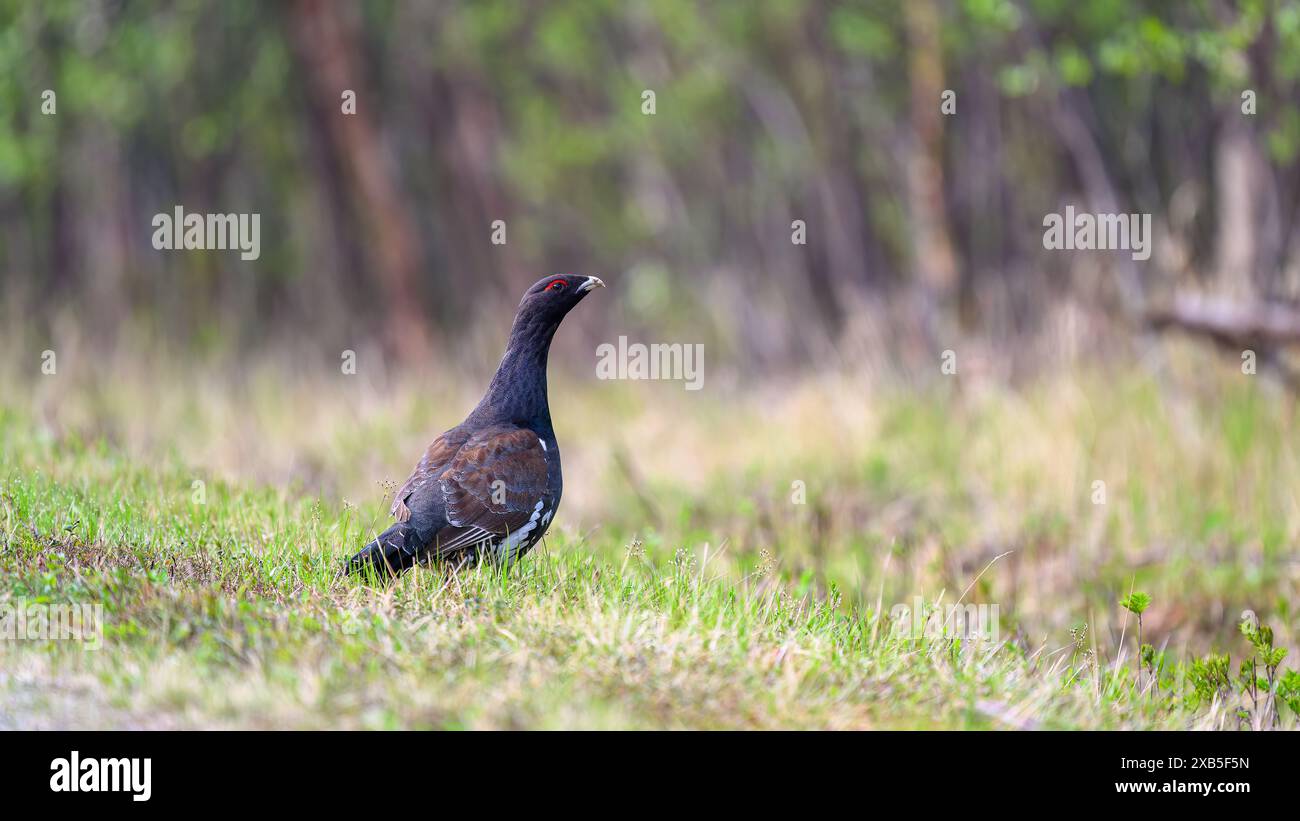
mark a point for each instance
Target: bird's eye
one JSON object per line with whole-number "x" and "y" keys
{"x": 556, "y": 285}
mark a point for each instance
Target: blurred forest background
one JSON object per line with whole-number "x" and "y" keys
{"x": 1088, "y": 446}
{"x": 922, "y": 227}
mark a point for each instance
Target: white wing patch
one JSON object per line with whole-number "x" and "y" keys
{"x": 509, "y": 548}
{"x": 469, "y": 536}
{"x": 542, "y": 442}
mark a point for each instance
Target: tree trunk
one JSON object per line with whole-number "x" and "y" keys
{"x": 326, "y": 44}
{"x": 933, "y": 257}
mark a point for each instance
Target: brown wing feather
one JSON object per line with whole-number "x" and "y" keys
{"x": 510, "y": 456}
{"x": 430, "y": 465}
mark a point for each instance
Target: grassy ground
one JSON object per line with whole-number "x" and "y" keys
{"x": 721, "y": 559}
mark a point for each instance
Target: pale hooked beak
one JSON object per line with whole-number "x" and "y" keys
{"x": 592, "y": 282}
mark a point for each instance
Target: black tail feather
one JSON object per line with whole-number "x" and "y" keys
{"x": 396, "y": 550}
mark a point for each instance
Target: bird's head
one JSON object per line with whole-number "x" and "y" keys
{"x": 552, "y": 297}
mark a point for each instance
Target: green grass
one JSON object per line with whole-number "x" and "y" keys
{"x": 665, "y": 596}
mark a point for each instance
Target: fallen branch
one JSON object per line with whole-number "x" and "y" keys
{"x": 1232, "y": 324}
{"x": 1264, "y": 328}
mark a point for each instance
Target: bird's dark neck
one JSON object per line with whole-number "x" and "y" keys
{"x": 517, "y": 393}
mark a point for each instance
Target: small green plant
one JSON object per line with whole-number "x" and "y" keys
{"x": 1147, "y": 657}
{"x": 1137, "y": 603}
{"x": 1288, "y": 691}
{"x": 1082, "y": 659}
{"x": 1270, "y": 658}
{"x": 1260, "y": 682}
{"x": 1209, "y": 678}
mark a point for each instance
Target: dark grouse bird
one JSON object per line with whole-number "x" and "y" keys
{"x": 489, "y": 487}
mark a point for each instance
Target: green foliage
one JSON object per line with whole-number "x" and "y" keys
{"x": 1208, "y": 678}
{"x": 1260, "y": 689}
{"x": 1288, "y": 690}
{"x": 1136, "y": 603}
{"x": 760, "y": 105}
